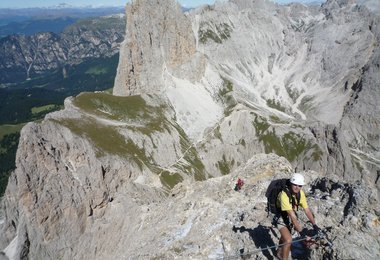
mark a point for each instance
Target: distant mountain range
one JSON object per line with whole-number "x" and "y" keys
{"x": 59, "y": 11}
{"x": 29, "y": 21}
{"x": 33, "y": 26}
{"x": 26, "y": 56}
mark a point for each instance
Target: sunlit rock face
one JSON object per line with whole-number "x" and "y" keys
{"x": 240, "y": 89}
{"x": 158, "y": 40}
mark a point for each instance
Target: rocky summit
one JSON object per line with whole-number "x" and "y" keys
{"x": 244, "y": 89}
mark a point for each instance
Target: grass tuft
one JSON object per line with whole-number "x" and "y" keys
{"x": 290, "y": 145}
{"x": 221, "y": 33}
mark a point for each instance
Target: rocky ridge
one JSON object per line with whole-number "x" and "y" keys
{"x": 152, "y": 175}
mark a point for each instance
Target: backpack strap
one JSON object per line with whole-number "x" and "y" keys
{"x": 295, "y": 203}
{"x": 298, "y": 197}
{"x": 297, "y": 200}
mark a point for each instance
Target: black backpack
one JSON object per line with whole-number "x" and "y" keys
{"x": 274, "y": 189}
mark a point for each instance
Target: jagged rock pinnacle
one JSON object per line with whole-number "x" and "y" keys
{"x": 159, "y": 37}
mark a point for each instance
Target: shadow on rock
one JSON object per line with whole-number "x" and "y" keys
{"x": 262, "y": 239}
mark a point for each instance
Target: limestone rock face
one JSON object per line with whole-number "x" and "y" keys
{"x": 64, "y": 183}
{"x": 208, "y": 219}
{"x": 164, "y": 42}
{"x": 360, "y": 122}
{"x": 239, "y": 89}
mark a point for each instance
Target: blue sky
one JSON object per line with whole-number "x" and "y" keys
{"x": 44, "y": 3}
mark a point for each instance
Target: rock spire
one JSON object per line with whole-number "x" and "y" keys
{"x": 162, "y": 42}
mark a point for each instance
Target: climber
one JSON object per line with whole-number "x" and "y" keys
{"x": 288, "y": 201}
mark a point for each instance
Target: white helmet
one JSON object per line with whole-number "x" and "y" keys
{"x": 297, "y": 179}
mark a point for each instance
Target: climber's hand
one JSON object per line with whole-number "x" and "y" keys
{"x": 316, "y": 228}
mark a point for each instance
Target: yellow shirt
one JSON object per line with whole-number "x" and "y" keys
{"x": 284, "y": 203}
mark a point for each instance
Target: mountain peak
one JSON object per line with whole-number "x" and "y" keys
{"x": 153, "y": 45}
